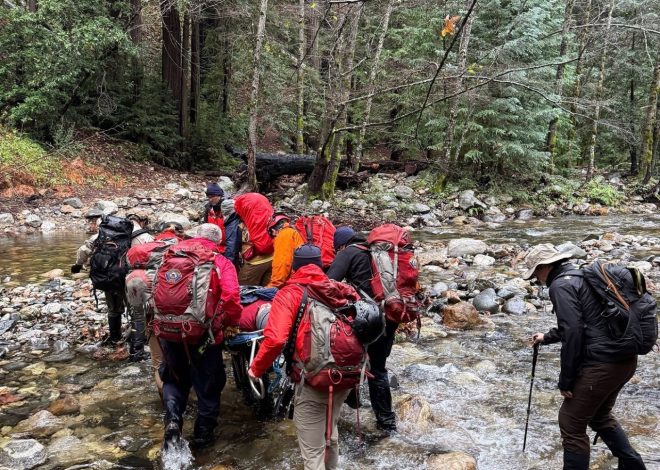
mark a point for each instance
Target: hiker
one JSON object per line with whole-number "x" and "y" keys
{"x": 114, "y": 294}
{"x": 170, "y": 230}
{"x": 588, "y": 382}
{"x": 310, "y": 405}
{"x": 285, "y": 241}
{"x": 190, "y": 357}
{"x": 352, "y": 264}
{"x": 212, "y": 209}
{"x": 232, "y": 232}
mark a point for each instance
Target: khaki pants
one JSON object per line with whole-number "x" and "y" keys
{"x": 255, "y": 274}
{"x": 156, "y": 360}
{"x": 309, "y": 415}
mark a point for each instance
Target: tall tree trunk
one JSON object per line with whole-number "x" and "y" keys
{"x": 195, "y": 59}
{"x": 372, "y": 83}
{"x": 599, "y": 97}
{"x": 136, "y": 33}
{"x": 312, "y": 38}
{"x": 226, "y": 66}
{"x": 184, "y": 106}
{"x": 456, "y": 85}
{"x": 551, "y": 139}
{"x": 254, "y": 98}
{"x": 32, "y": 6}
{"x": 302, "y": 46}
{"x": 634, "y": 164}
{"x": 646, "y": 150}
{"x": 171, "y": 50}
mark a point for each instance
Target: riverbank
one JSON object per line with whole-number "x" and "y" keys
{"x": 462, "y": 386}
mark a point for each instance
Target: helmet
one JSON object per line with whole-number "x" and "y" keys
{"x": 275, "y": 220}
{"x": 262, "y": 316}
{"x": 369, "y": 321}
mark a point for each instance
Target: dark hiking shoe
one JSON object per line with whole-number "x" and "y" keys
{"x": 202, "y": 441}
{"x": 172, "y": 434}
{"x": 139, "y": 355}
{"x": 388, "y": 427}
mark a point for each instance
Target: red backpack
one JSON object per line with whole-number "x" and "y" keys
{"x": 186, "y": 293}
{"x": 148, "y": 255}
{"x": 319, "y": 231}
{"x": 396, "y": 273}
{"x": 255, "y": 211}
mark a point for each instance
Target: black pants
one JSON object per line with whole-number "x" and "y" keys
{"x": 379, "y": 385}
{"x": 594, "y": 395}
{"x": 205, "y": 372}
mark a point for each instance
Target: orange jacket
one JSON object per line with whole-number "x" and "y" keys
{"x": 285, "y": 244}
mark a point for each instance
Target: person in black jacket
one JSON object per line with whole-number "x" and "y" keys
{"x": 589, "y": 382}
{"x": 353, "y": 264}
{"x": 232, "y": 232}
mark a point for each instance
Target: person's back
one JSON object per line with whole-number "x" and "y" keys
{"x": 353, "y": 264}
{"x": 285, "y": 241}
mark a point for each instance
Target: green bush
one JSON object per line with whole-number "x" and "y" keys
{"x": 598, "y": 190}
{"x": 22, "y": 161}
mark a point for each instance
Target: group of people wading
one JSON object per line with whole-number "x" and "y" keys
{"x": 323, "y": 304}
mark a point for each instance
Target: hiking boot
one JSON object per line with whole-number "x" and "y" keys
{"x": 172, "y": 434}
{"x": 138, "y": 356}
{"x": 114, "y": 326}
{"x": 203, "y": 434}
{"x": 388, "y": 427}
{"x": 617, "y": 441}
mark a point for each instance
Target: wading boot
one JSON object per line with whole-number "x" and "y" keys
{"x": 114, "y": 327}
{"x": 137, "y": 341}
{"x": 618, "y": 443}
{"x": 172, "y": 434}
{"x": 203, "y": 434}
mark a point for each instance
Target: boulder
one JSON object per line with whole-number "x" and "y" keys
{"x": 486, "y": 301}
{"x": 438, "y": 288}
{"x": 22, "y": 454}
{"x": 429, "y": 220}
{"x": 226, "y": 184}
{"x": 420, "y": 208}
{"x": 173, "y": 217}
{"x": 495, "y": 218}
{"x": 643, "y": 266}
{"x": 414, "y": 413}
{"x": 465, "y": 246}
{"x": 52, "y": 308}
{"x": 467, "y": 199}
{"x": 461, "y": 316}
{"x": 6, "y": 219}
{"x": 388, "y": 215}
{"x": 525, "y": 214}
{"x": 65, "y": 406}
{"x": 515, "y": 306}
{"x": 183, "y": 193}
{"x": 483, "y": 260}
{"x": 53, "y": 274}
{"x": 33, "y": 220}
{"x": 107, "y": 207}
{"x": 451, "y": 461}
{"x": 74, "y": 202}
{"x": 403, "y": 192}
{"x": 68, "y": 451}
{"x": 575, "y": 251}
{"x": 41, "y": 424}
{"x": 48, "y": 226}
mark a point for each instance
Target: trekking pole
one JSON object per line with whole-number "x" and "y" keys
{"x": 531, "y": 386}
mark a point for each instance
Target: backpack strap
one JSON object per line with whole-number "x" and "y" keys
{"x": 137, "y": 233}
{"x": 290, "y": 346}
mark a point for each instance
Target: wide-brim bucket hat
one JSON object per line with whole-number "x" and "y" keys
{"x": 542, "y": 254}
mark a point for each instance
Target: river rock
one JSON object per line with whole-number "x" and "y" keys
{"x": 465, "y": 246}
{"x": 415, "y": 413}
{"x": 65, "y": 406}
{"x": 74, "y": 202}
{"x": 451, "y": 461}
{"x": 107, "y": 207}
{"x": 430, "y": 220}
{"x": 22, "y": 454}
{"x": 48, "y": 226}
{"x": 7, "y": 323}
{"x": 403, "y": 192}
{"x": 467, "y": 199}
{"x": 173, "y": 217}
{"x": 6, "y": 219}
{"x": 438, "y": 288}
{"x": 495, "y": 218}
{"x": 575, "y": 251}
{"x": 643, "y": 266}
{"x": 525, "y": 214}
{"x": 483, "y": 260}
{"x": 226, "y": 184}
{"x": 515, "y": 306}
{"x": 388, "y": 215}
{"x": 68, "y": 450}
{"x": 53, "y": 274}
{"x": 52, "y": 308}
{"x": 33, "y": 220}
{"x": 461, "y": 316}
{"x": 420, "y": 208}
{"x": 486, "y": 301}
{"x": 41, "y": 424}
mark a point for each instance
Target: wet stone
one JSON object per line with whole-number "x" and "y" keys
{"x": 68, "y": 450}
{"x": 41, "y": 424}
{"x": 486, "y": 301}
{"x": 515, "y": 306}
{"x": 465, "y": 246}
{"x": 65, "y": 406}
{"x": 451, "y": 461}
{"x": 22, "y": 454}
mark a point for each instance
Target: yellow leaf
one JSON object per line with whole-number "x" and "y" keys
{"x": 449, "y": 26}
{"x": 313, "y": 6}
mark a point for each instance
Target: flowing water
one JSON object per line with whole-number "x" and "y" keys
{"x": 476, "y": 384}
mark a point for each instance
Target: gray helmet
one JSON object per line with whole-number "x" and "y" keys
{"x": 262, "y": 316}
{"x": 369, "y": 321}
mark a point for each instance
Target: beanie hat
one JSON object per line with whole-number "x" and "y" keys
{"x": 210, "y": 232}
{"x": 227, "y": 207}
{"x": 213, "y": 189}
{"x": 343, "y": 235}
{"x": 306, "y": 254}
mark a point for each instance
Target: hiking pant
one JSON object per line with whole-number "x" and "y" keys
{"x": 115, "y": 302}
{"x": 255, "y": 274}
{"x": 156, "y": 360}
{"x": 205, "y": 372}
{"x": 309, "y": 415}
{"x": 594, "y": 395}
{"x": 379, "y": 385}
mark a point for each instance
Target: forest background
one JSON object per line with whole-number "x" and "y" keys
{"x": 504, "y": 94}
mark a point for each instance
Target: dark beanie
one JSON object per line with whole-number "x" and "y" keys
{"x": 213, "y": 189}
{"x": 343, "y": 235}
{"x": 306, "y": 254}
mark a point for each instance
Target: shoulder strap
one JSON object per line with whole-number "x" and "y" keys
{"x": 137, "y": 233}
{"x": 290, "y": 346}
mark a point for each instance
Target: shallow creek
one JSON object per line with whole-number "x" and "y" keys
{"x": 476, "y": 384}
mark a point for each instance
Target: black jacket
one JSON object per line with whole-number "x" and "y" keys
{"x": 207, "y": 209}
{"x": 232, "y": 238}
{"x": 582, "y": 330}
{"x": 353, "y": 264}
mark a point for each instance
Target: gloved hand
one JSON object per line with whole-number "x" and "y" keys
{"x": 75, "y": 269}
{"x": 231, "y": 331}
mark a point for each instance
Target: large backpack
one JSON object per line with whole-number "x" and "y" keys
{"x": 630, "y": 309}
{"x": 318, "y": 230}
{"x": 255, "y": 211}
{"x": 108, "y": 267}
{"x": 395, "y": 281}
{"x": 148, "y": 255}
{"x": 186, "y": 293}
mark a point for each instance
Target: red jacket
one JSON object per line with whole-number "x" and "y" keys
{"x": 285, "y": 307}
{"x": 230, "y": 301}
